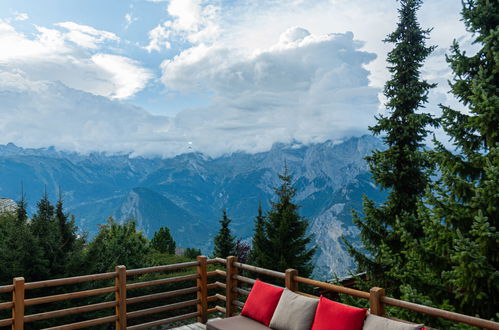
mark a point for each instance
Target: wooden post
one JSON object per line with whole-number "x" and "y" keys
{"x": 376, "y": 305}
{"x": 120, "y": 283}
{"x": 202, "y": 284}
{"x": 231, "y": 283}
{"x": 289, "y": 280}
{"x": 18, "y": 300}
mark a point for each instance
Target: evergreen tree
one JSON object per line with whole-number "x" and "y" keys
{"x": 284, "y": 236}
{"x": 259, "y": 248}
{"x": 192, "y": 253}
{"x": 459, "y": 254}
{"x": 224, "y": 241}
{"x": 163, "y": 241}
{"x": 403, "y": 168}
{"x": 46, "y": 236}
{"x": 22, "y": 214}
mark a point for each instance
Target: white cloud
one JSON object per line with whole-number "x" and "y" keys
{"x": 195, "y": 21}
{"x": 127, "y": 75}
{"x": 69, "y": 56}
{"x": 21, "y": 17}
{"x": 307, "y": 88}
{"x": 129, "y": 18}
{"x": 86, "y": 36}
{"x": 49, "y": 113}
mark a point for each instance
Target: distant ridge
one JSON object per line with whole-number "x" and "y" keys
{"x": 188, "y": 192}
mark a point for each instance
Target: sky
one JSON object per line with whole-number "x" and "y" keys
{"x": 165, "y": 77}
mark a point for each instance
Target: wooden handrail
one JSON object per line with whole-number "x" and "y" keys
{"x": 140, "y": 271}
{"x": 260, "y": 270}
{"x": 69, "y": 280}
{"x": 377, "y": 299}
{"x": 456, "y": 317}
{"x": 332, "y": 287}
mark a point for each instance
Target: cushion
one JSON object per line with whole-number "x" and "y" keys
{"x": 235, "y": 322}
{"x": 261, "y": 302}
{"x": 331, "y": 315}
{"x": 294, "y": 312}
{"x": 374, "y": 322}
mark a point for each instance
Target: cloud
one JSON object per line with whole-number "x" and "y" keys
{"x": 21, "y": 17}
{"x": 74, "y": 56}
{"x": 306, "y": 88}
{"x": 194, "y": 21}
{"x": 49, "y": 113}
{"x": 127, "y": 76}
{"x": 86, "y": 36}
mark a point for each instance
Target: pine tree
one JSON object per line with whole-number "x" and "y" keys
{"x": 224, "y": 241}
{"x": 21, "y": 212}
{"x": 403, "y": 168}
{"x": 287, "y": 244}
{"x": 163, "y": 241}
{"x": 460, "y": 251}
{"x": 258, "y": 254}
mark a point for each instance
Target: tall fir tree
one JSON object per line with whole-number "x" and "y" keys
{"x": 459, "y": 253}
{"x": 225, "y": 244}
{"x": 284, "y": 242}
{"x": 403, "y": 168}
{"x": 259, "y": 248}
{"x": 163, "y": 241}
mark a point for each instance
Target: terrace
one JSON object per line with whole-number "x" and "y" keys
{"x": 207, "y": 301}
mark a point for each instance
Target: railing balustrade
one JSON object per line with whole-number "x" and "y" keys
{"x": 232, "y": 287}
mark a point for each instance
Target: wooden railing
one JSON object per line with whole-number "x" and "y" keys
{"x": 232, "y": 288}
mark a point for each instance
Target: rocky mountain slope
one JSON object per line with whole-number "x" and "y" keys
{"x": 188, "y": 193}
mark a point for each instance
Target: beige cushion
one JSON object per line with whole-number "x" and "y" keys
{"x": 294, "y": 312}
{"x": 235, "y": 323}
{"x": 374, "y": 322}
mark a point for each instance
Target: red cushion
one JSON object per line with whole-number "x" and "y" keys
{"x": 262, "y": 302}
{"x": 331, "y": 315}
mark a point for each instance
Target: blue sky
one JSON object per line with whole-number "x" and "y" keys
{"x": 166, "y": 77}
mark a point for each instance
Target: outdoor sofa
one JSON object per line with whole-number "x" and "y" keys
{"x": 270, "y": 307}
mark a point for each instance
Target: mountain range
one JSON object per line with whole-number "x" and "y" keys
{"x": 188, "y": 193}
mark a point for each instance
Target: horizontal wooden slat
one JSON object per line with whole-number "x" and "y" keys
{"x": 6, "y": 322}
{"x": 260, "y": 270}
{"x": 163, "y": 321}
{"x": 211, "y": 298}
{"x": 241, "y": 291}
{"x": 244, "y": 279}
{"x": 217, "y": 284}
{"x": 216, "y": 260}
{"x": 221, "y": 309}
{"x": 160, "y": 309}
{"x": 477, "y": 322}
{"x": 161, "y": 295}
{"x": 69, "y": 311}
{"x": 216, "y": 309}
{"x": 332, "y": 287}
{"x": 6, "y": 288}
{"x": 164, "y": 268}
{"x": 221, "y": 297}
{"x": 85, "y": 324}
{"x": 238, "y": 303}
{"x": 139, "y": 285}
{"x": 68, "y": 280}
{"x": 71, "y": 295}
{"x": 6, "y": 305}
{"x": 221, "y": 272}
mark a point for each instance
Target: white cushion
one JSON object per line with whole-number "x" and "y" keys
{"x": 294, "y": 312}
{"x": 374, "y": 322}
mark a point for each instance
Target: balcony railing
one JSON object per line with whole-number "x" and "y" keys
{"x": 232, "y": 288}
